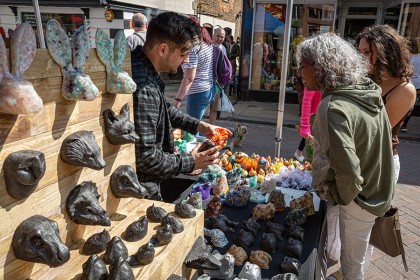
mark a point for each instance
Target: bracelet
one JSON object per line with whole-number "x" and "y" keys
{"x": 178, "y": 99}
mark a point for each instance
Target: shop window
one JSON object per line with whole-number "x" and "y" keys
{"x": 69, "y": 22}
{"x": 268, "y": 40}
{"x": 410, "y": 24}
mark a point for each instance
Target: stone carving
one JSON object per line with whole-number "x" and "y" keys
{"x": 22, "y": 172}
{"x": 136, "y": 230}
{"x": 277, "y": 229}
{"x": 80, "y": 148}
{"x": 18, "y": 96}
{"x": 83, "y": 205}
{"x": 199, "y": 257}
{"x": 264, "y": 212}
{"x": 251, "y": 225}
{"x": 290, "y": 265}
{"x": 218, "y": 238}
{"x": 163, "y": 236}
{"x": 293, "y": 248}
{"x": 250, "y": 272}
{"x": 175, "y": 223}
{"x": 221, "y": 222}
{"x": 117, "y": 80}
{"x": 155, "y": 214}
{"x": 268, "y": 243}
{"x": 238, "y": 253}
{"x": 260, "y": 258}
{"x": 115, "y": 249}
{"x": 96, "y": 243}
{"x": 37, "y": 239}
{"x": 244, "y": 239}
{"x": 226, "y": 271}
{"x": 76, "y": 84}
{"x": 185, "y": 210}
{"x": 94, "y": 269}
{"x": 120, "y": 270}
{"x": 119, "y": 130}
{"x": 124, "y": 183}
{"x": 144, "y": 255}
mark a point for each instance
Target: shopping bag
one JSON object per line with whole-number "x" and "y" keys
{"x": 226, "y": 104}
{"x": 386, "y": 235}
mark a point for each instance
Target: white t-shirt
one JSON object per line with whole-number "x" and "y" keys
{"x": 415, "y": 61}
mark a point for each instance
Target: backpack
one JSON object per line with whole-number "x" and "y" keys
{"x": 222, "y": 68}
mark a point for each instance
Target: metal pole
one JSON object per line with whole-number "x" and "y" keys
{"x": 39, "y": 24}
{"x": 283, "y": 79}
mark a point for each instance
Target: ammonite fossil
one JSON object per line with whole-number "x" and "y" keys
{"x": 238, "y": 253}
{"x": 260, "y": 258}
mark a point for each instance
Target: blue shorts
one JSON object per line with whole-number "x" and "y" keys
{"x": 197, "y": 103}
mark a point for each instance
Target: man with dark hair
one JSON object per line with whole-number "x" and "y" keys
{"x": 169, "y": 39}
{"x": 138, "y": 38}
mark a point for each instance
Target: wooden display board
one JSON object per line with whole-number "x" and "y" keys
{"x": 45, "y": 131}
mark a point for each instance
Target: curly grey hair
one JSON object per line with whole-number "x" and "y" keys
{"x": 335, "y": 62}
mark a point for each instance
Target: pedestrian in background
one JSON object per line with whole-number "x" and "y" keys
{"x": 352, "y": 161}
{"x": 138, "y": 38}
{"x": 197, "y": 82}
{"x": 233, "y": 54}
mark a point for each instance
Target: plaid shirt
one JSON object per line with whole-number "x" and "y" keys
{"x": 154, "y": 121}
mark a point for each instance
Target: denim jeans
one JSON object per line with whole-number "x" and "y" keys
{"x": 197, "y": 103}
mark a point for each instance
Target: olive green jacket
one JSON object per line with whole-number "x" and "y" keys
{"x": 353, "y": 149}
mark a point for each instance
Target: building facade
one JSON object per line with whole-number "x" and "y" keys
{"x": 263, "y": 35}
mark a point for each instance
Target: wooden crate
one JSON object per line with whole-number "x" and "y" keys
{"x": 45, "y": 131}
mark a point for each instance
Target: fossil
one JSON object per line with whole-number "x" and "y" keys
{"x": 37, "y": 239}
{"x": 120, "y": 270}
{"x": 115, "y": 249}
{"x": 119, "y": 130}
{"x": 22, "y": 172}
{"x": 251, "y": 225}
{"x": 199, "y": 257}
{"x": 238, "y": 253}
{"x": 268, "y": 243}
{"x": 155, "y": 214}
{"x": 136, "y": 230}
{"x": 144, "y": 255}
{"x": 185, "y": 210}
{"x": 290, "y": 265}
{"x": 124, "y": 183}
{"x": 94, "y": 269}
{"x": 244, "y": 239}
{"x": 163, "y": 236}
{"x": 83, "y": 205}
{"x": 260, "y": 258}
{"x": 175, "y": 223}
{"x": 80, "y": 148}
{"x": 96, "y": 243}
{"x": 293, "y": 248}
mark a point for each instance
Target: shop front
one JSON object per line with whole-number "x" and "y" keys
{"x": 264, "y": 28}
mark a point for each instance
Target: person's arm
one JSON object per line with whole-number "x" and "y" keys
{"x": 184, "y": 87}
{"x": 343, "y": 160}
{"x": 305, "y": 124}
{"x": 400, "y": 102}
{"x": 149, "y": 157}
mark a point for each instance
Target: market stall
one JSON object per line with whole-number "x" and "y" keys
{"x": 58, "y": 160}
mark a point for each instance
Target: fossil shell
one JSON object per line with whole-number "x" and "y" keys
{"x": 260, "y": 258}
{"x": 238, "y": 253}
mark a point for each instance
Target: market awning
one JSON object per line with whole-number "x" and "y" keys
{"x": 53, "y": 3}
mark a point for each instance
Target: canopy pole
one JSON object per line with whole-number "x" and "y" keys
{"x": 283, "y": 78}
{"x": 39, "y": 24}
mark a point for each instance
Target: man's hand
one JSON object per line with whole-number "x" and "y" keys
{"x": 210, "y": 130}
{"x": 205, "y": 158}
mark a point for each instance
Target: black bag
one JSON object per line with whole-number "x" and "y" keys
{"x": 386, "y": 235}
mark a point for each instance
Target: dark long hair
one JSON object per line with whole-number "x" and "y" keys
{"x": 393, "y": 52}
{"x": 205, "y": 35}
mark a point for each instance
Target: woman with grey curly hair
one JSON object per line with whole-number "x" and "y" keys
{"x": 352, "y": 161}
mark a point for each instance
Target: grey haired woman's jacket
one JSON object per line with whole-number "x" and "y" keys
{"x": 353, "y": 148}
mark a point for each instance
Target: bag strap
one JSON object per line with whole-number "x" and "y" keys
{"x": 398, "y": 231}
{"x": 138, "y": 35}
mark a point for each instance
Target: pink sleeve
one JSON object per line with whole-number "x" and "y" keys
{"x": 305, "y": 125}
